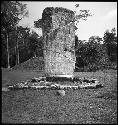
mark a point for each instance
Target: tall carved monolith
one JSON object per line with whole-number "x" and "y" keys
{"x": 58, "y": 30}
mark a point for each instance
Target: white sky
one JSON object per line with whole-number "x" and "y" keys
{"x": 105, "y": 16}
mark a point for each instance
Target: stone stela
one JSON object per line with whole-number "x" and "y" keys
{"x": 59, "y": 41}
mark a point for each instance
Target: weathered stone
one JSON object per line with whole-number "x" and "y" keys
{"x": 61, "y": 92}
{"x": 59, "y": 41}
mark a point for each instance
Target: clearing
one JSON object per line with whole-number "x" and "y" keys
{"x": 93, "y": 106}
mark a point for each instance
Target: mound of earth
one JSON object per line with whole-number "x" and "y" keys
{"x": 35, "y": 63}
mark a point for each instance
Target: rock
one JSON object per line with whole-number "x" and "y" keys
{"x": 61, "y": 92}
{"x": 5, "y": 89}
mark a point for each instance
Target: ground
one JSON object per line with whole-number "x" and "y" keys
{"x": 93, "y": 106}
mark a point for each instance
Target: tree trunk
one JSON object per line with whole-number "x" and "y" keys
{"x": 8, "y": 55}
{"x": 16, "y": 54}
{"x": 34, "y": 54}
{"x": 17, "y": 49}
{"x": 23, "y": 40}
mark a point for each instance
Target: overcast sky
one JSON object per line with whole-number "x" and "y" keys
{"x": 105, "y": 16}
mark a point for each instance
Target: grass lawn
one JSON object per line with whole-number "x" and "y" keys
{"x": 93, "y": 106}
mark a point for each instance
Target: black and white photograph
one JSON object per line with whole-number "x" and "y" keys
{"x": 59, "y": 62}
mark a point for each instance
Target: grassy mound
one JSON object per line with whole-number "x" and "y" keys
{"x": 35, "y": 63}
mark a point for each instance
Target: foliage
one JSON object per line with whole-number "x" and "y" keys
{"x": 29, "y": 45}
{"x": 11, "y": 13}
{"x": 110, "y": 42}
{"x": 76, "y": 42}
{"x": 33, "y": 41}
{"x": 45, "y": 22}
{"x": 83, "y": 15}
{"x": 91, "y": 55}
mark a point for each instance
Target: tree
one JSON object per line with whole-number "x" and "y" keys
{"x": 11, "y": 13}
{"x": 33, "y": 42}
{"x": 79, "y": 47}
{"x": 18, "y": 42}
{"x": 96, "y": 53}
{"x": 110, "y": 43}
{"x": 95, "y": 39}
{"x": 94, "y": 49}
{"x": 40, "y": 47}
{"x": 91, "y": 54}
{"x": 76, "y": 42}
